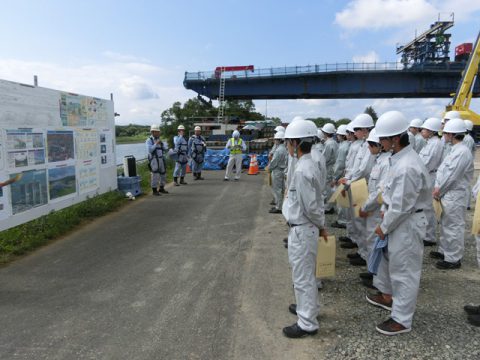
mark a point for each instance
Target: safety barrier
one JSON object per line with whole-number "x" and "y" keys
{"x": 218, "y": 160}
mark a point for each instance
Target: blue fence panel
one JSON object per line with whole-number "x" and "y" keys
{"x": 218, "y": 160}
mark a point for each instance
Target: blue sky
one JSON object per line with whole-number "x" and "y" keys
{"x": 139, "y": 50}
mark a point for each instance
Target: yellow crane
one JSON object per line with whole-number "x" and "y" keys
{"x": 463, "y": 96}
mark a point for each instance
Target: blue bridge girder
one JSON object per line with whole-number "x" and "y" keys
{"x": 333, "y": 81}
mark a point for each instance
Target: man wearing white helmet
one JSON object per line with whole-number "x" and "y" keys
{"x": 447, "y": 146}
{"x": 415, "y": 128}
{"x": 181, "y": 148}
{"x": 156, "y": 150}
{"x": 292, "y": 161}
{"x": 339, "y": 171}
{"x": 236, "y": 146}
{"x": 470, "y": 144}
{"x": 330, "y": 154}
{"x": 277, "y": 130}
{"x": 431, "y": 155}
{"x": 453, "y": 176}
{"x": 303, "y": 210}
{"x": 277, "y": 168}
{"x": 406, "y": 193}
{"x": 197, "y": 148}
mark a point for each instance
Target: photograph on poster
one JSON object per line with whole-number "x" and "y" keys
{"x": 17, "y": 159}
{"x": 61, "y": 181}
{"x": 103, "y": 149}
{"x": 36, "y": 140}
{"x": 103, "y": 159}
{"x": 30, "y": 191}
{"x": 103, "y": 138}
{"x": 60, "y": 146}
{"x": 36, "y": 157}
{"x": 16, "y": 140}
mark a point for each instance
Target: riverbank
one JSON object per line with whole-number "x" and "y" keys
{"x": 131, "y": 139}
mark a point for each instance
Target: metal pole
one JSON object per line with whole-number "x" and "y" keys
{"x": 35, "y": 80}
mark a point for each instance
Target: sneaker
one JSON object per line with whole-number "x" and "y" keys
{"x": 337, "y": 225}
{"x": 293, "y": 309}
{"x": 353, "y": 255}
{"x": 474, "y": 320}
{"x": 296, "y": 332}
{"x": 366, "y": 275}
{"x": 472, "y": 309}
{"x": 275, "y": 211}
{"x": 445, "y": 265}
{"x": 345, "y": 239}
{"x": 349, "y": 245}
{"x": 378, "y": 300}
{"x": 436, "y": 255}
{"x": 358, "y": 262}
{"x": 391, "y": 327}
{"x": 429, "y": 243}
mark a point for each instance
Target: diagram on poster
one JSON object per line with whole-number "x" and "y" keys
{"x": 25, "y": 147}
{"x": 88, "y": 176}
{"x": 77, "y": 110}
{"x": 87, "y": 143}
{"x": 61, "y": 181}
{"x": 30, "y": 191}
{"x": 60, "y": 145}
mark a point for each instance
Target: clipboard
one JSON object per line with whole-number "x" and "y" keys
{"x": 326, "y": 254}
{"x": 437, "y": 207}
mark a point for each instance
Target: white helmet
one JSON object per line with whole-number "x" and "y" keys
{"x": 373, "y": 136}
{"x": 181, "y": 127}
{"x": 279, "y": 128}
{"x": 296, "y": 118}
{"x": 362, "y": 121}
{"x": 154, "y": 128}
{"x": 329, "y": 128}
{"x": 301, "y": 129}
{"x": 391, "y": 123}
{"x": 349, "y": 127}
{"x": 432, "y": 124}
{"x": 342, "y": 130}
{"x": 280, "y": 135}
{"x": 468, "y": 125}
{"x": 198, "y": 128}
{"x": 320, "y": 134}
{"x": 455, "y": 126}
{"x": 416, "y": 123}
{"x": 449, "y": 115}
{"x": 236, "y": 134}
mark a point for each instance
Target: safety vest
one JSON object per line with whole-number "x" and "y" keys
{"x": 236, "y": 148}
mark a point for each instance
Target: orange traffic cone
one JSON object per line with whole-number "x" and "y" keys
{"x": 253, "y": 169}
{"x": 189, "y": 171}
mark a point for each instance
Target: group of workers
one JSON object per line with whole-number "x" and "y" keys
{"x": 408, "y": 166}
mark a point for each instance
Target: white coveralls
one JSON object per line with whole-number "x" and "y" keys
{"x": 338, "y": 173}
{"x": 475, "y": 191}
{"x": 277, "y": 168}
{"x": 156, "y": 160}
{"x": 470, "y": 144}
{"x": 407, "y": 191}
{"x": 447, "y": 147}
{"x": 431, "y": 155}
{"x": 453, "y": 176}
{"x": 304, "y": 211}
{"x": 330, "y": 154}
{"x": 411, "y": 139}
{"x": 236, "y": 147}
{"x": 372, "y": 206}
{"x": 361, "y": 169}
{"x": 420, "y": 142}
{"x": 352, "y": 154}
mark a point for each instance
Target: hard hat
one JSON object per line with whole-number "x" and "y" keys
{"x": 320, "y": 134}
{"x": 468, "y": 125}
{"x": 391, "y": 123}
{"x": 455, "y": 126}
{"x": 301, "y": 129}
{"x": 329, "y": 128}
{"x": 296, "y": 118}
{"x": 236, "y": 134}
{"x": 280, "y": 135}
{"x": 449, "y": 115}
{"x": 342, "y": 130}
{"x": 349, "y": 127}
{"x": 362, "y": 121}
{"x": 155, "y": 128}
{"x": 373, "y": 136}
{"x": 432, "y": 124}
{"x": 416, "y": 123}
{"x": 198, "y": 128}
{"x": 181, "y": 127}
{"x": 279, "y": 128}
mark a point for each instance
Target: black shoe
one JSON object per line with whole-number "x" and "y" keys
{"x": 368, "y": 283}
{"x": 162, "y": 190}
{"x": 296, "y": 331}
{"x": 273, "y": 203}
{"x": 176, "y": 184}
{"x": 349, "y": 245}
{"x": 225, "y": 179}
{"x": 472, "y": 309}
{"x": 469, "y": 208}
{"x": 474, "y": 320}
{"x": 286, "y": 245}
{"x": 358, "y": 262}
{"x": 285, "y": 240}
{"x": 337, "y": 225}
{"x": 275, "y": 211}
{"x": 366, "y": 275}
{"x": 293, "y": 309}
{"x": 200, "y": 176}
{"x": 175, "y": 181}
{"x": 429, "y": 243}
{"x": 436, "y": 255}
{"x": 195, "y": 178}
{"x": 345, "y": 239}
{"x": 331, "y": 211}
{"x": 445, "y": 265}
{"x": 155, "y": 192}
{"x": 353, "y": 255}
{"x": 182, "y": 181}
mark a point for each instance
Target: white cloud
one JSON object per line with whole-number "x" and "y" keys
{"x": 370, "y": 57}
{"x": 135, "y": 88}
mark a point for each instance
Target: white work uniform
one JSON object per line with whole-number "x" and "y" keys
{"x": 277, "y": 168}
{"x": 235, "y": 159}
{"x": 475, "y": 191}
{"x": 372, "y": 205}
{"x": 407, "y": 192}
{"x": 330, "y": 154}
{"x": 447, "y": 147}
{"x": 352, "y": 154}
{"x": 420, "y": 142}
{"x": 338, "y": 173}
{"x": 453, "y": 176}
{"x": 411, "y": 140}
{"x": 431, "y": 155}
{"x": 303, "y": 210}
{"x": 470, "y": 144}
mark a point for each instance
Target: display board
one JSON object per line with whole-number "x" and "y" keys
{"x": 56, "y": 149}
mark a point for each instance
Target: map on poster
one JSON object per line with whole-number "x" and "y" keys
{"x": 25, "y": 147}
{"x": 61, "y": 181}
{"x": 87, "y": 143}
{"x": 60, "y": 145}
{"x": 30, "y": 191}
{"x": 88, "y": 176}
{"x": 78, "y": 110}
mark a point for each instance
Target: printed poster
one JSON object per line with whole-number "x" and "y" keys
{"x": 25, "y": 148}
{"x": 60, "y": 146}
{"x": 62, "y": 181}
{"x": 78, "y": 110}
{"x": 87, "y": 144}
{"x": 88, "y": 176}
{"x": 30, "y": 191}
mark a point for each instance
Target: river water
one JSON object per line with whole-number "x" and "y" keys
{"x": 138, "y": 150}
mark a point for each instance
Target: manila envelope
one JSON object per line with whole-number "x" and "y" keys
{"x": 343, "y": 201}
{"x": 336, "y": 194}
{"x": 476, "y": 217}
{"x": 326, "y": 257}
{"x": 359, "y": 191}
{"x": 437, "y": 207}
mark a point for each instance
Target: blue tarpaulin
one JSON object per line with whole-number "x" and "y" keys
{"x": 218, "y": 159}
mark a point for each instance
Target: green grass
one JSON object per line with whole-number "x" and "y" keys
{"x": 131, "y": 139}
